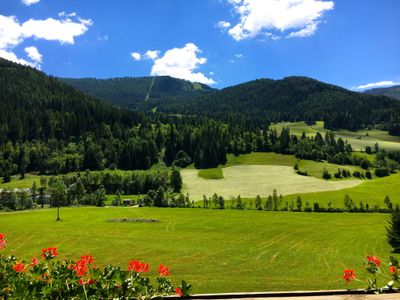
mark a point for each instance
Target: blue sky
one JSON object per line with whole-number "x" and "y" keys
{"x": 350, "y": 43}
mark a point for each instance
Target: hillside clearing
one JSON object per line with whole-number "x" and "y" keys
{"x": 357, "y": 139}
{"x": 253, "y": 180}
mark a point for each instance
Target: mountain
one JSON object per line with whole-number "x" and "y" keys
{"x": 136, "y": 93}
{"x": 255, "y": 103}
{"x": 290, "y": 99}
{"x": 392, "y": 92}
{"x": 36, "y": 106}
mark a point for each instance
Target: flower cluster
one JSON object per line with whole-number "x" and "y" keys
{"x": 138, "y": 267}
{"x": 373, "y": 266}
{"x": 163, "y": 271}
{"x": 49, "y": 253}
{"x": 349, "y": 275}
{"x": 47, "y": 277}
{"x": 81, "y": 267}
{"x": 3, "y": 241}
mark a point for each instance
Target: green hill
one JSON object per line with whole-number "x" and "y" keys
{"x": 392, "y": 92}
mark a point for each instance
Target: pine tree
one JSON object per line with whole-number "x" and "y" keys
{"x": 393, "y": 231}
{"x": 176, "y": 180}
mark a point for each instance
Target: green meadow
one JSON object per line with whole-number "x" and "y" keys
{"x": 357, "y": 139}
{"x": 215, "y": 250}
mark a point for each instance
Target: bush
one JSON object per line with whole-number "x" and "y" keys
{"x": 357, "y": 174}
{"x": 382, "y": 172}
{"x": 326, "y": 175}
{"x": 368, "y": 175}
{"x": 302, "y": 173}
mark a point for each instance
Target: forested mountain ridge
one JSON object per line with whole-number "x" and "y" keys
{"x": 255, "y": 103}
{"x": 36, "y": 106}
{"x": 139, "y": 93}
{"x": 392, "y": 92}
{"x": 291, "y": 99}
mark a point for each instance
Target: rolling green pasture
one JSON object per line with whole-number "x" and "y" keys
{"x": 216, "y": 251}
{"x": 357, "y": 139}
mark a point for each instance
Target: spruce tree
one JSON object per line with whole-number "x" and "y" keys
{"x": 393, "y": 231}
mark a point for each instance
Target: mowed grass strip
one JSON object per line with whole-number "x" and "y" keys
{"x": 216, "y": 251}
{"x": 213, "y": 173}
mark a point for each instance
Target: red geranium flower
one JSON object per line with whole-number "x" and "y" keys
{"x": 178, "y": 292}
{"x": 34, "y": 262}
{"x": 81, "y": 266}
{"x": 349, "y": 275}
{"x": 3, "y": 241}
{"x": 88, "y": 259}
{"x": 49, "y": 253}
{"x": 163, "y": 270}
{"x": 392, "y": 269}
{"x": 375, "y": 260}
{"x": 137, "y": 266}
{"x": 19, "y": 267}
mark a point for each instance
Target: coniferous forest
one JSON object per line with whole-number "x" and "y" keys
{"x": 50, "y": 127}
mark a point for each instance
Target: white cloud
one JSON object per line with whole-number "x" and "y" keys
{"x": 12, "y": 57}
{"x": 136, "y": 55}
{"x": 63, "y": 31}
{"x": 33, "y": 54}
{"x": 238, "y": 55}
{"x": 181, "y": 63}
{"x": 30, "y": 2}
{"x": 13, "y": 33}
{"x": 223, "y": 25}
{"x": 152, "y": 54}
{"x": 378, "y": 84}
{"x": 10, "y": 32}
{"x": 291, "y": 18}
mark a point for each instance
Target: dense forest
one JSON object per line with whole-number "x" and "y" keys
{"x": 253, "y": 104}
{"x": 139, "y": 93}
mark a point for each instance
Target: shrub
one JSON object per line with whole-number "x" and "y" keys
{"x": 326, "y": 175}
{"x": 368, "y": 175}
{"x": 302, "y": 173}
{"x": 382, "y": 172}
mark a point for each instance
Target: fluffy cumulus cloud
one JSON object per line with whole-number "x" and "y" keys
{"x": 30, "y": 2}
{"x": 378, "y": 84}
{"x": 13, "y": 33}
{"x": 277, "y": 18}
{"x": 136, "y": 55}
{"x": 182, "y": 63}
{"x": 152, "y": 54}
{"x": 33, "y": 54}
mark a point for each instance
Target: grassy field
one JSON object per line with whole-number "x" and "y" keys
{"x": 253, "y": 180}
{"x": 216, "y": 251}
{"x": 313, "y": 168}
{"x": 358, "y": 139}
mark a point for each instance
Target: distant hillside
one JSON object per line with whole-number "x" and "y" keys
{"x": 392, "y": 92}
{"x": 290, "y": 99}
{"x": 36, "y": 106}
{"x": 138, "y": 93}
{"x": 253, "y": 104}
